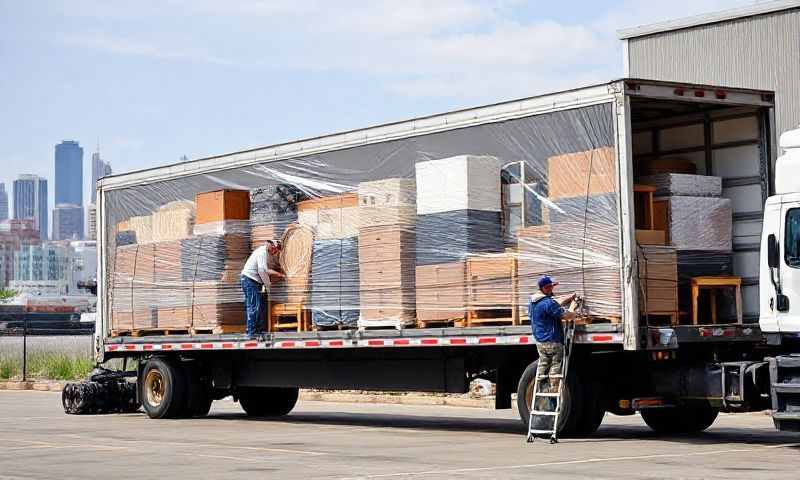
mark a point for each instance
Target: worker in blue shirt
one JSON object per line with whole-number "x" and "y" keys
{"x": 546, "y": 314}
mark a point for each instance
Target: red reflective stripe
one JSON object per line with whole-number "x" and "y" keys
{"x": 401, "y": 341}
{"x": 147, "y": 347}
{"x": 336, "y": 343}
{"x": 729, "y": 332}
{"x": 430, "y": 341}
{"x": 602, "y": 338}
{"x": 524, "y": 339}
{"x": 130, "y": 347}
{"x": 111, "y": 347}
{"x": 166, "y": 346}
{"x": 227, "y": 345}
{"x": 186, "y": 346}
{"x": 312, "y": 343}
{"x": 286, "y": 344}
{"x": 487, "y": 340}
{"x": 375, "y": 343}
{"x": 206, "y": 345}
{"x": 458, "y": 341}
{"x": 251, "y": 345}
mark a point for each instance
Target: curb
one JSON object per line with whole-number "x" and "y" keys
{"x": 315, "y": 396}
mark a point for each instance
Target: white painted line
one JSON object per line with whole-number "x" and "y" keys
{"x": 569, "y": 462}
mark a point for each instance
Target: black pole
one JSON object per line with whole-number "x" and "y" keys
{"x": 25, "y": 347}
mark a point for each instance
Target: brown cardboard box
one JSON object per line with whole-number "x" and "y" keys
{"x": 569, "y": 174}
{"x": 651, "y": 237}
{"x": 441, "y": 292}
{"x": 658, "y": 276}
{"x": 223, "y": 205}
{"x": 492, "y": 281}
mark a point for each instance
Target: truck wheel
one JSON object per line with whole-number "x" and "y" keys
{"x": 268, "y": 401}
{"x": 570, "y": 409}
{"x": 594, "y": 407}
{"x": 683, "y": 419}
{"x": 198, "y": 396}
{"x": 163, "y": 388}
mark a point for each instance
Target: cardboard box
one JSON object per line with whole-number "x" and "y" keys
{"x": 658, "y": 276}
{"x": 569, "y": 174}
{"x": 441, "y": 292}
{"x": 463, "y": 182}
{"x": 651, "y": 237}
{"x": 222, "y": 205}
{"x": 492, "y": 281}
{"x": 332, "y": 218}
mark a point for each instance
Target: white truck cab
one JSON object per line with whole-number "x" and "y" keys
{"x": 780, "y": 244}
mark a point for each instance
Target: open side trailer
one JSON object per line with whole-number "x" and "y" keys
{"x": 634, "y": 363}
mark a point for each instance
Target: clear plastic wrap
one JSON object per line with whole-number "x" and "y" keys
{"x": 447, "y": 228}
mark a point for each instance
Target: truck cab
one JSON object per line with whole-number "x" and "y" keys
{"x": 780, "y": 246}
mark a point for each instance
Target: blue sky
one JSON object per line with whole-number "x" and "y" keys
{"x": 154, "y": 80}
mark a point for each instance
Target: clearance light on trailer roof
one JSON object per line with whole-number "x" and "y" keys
{"x": 679, "y": 92}
{"x": 721, "y": 94}
{"x": 699, "y": 93}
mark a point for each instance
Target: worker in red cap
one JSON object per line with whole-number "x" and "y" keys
{"x": 546, "y": 314}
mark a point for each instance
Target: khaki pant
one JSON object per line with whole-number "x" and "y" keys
{"x": 551, "y": 361}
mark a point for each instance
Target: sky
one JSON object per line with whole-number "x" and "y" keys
{"x": 152, "y": 81}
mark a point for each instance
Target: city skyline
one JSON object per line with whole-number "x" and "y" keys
{"x": 31, "y": 202}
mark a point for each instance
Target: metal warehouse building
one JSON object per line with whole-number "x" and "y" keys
{"x": 756, "y": 46}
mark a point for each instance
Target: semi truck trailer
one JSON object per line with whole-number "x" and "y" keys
{"x": 560, "y": 186}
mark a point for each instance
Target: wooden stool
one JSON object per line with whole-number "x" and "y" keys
{"x": 301, "y": 317}
{"x": 713, "y": 284}
{"x": 643, "y": 201}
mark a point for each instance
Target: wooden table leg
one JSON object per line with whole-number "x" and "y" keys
{"x": 695, "y": 293}
{"x": 712, "y": 295}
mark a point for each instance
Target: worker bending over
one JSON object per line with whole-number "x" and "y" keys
{"x": 260, "y": 270}
{"x": 546, "y": 314}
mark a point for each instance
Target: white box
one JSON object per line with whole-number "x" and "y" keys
{"x": 464, "y": 182}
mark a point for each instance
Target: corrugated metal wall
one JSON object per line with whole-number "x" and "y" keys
{"x": 756, "y": 52}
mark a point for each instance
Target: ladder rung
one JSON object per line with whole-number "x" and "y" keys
{"x": 547, "y": 394}
{"x": 540, "y": 432}
{"x": 543, "y": 412}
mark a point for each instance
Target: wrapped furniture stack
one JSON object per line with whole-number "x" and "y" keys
{"x": 386, "y": 242}
{"x": 458, "y": 213}
{"x": 578, "y": 245}
{"x": 334, "y": 278}
{"x": 272, "y": 209}
{"x": 699, "y": 226}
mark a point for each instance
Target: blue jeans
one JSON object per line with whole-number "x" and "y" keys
{"x": 254, "y": 303}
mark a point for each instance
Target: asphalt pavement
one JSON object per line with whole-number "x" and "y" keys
{"x": 322, "y": 440}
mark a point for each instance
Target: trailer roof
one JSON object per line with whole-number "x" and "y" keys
{"x": 708, "y": 18}
{"x": 562, "y": 100}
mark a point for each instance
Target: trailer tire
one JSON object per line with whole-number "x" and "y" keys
{"x": 571, "y": 412}
{"x": 268, "y": 401}
{"x": 198, "y": 396}
{"x": 163, "y": 388}
{"x": 682, "y": 419}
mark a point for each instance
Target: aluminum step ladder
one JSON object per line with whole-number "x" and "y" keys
{"x": 546, "y": 405}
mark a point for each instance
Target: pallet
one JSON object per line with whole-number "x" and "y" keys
{"x": 289, "y": 316}
{"x": 493, "y": 316}
{"x": 393, "y": 324}
{"x": 442, "y": 323}
{"x": 147, "y": 332}
{"x": 219, "y": 329}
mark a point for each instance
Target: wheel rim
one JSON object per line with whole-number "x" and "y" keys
{"x": 154, "y": 387}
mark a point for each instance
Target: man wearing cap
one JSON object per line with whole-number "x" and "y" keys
{"x": 260, "y": 270}
{"x": 546, "y": 315}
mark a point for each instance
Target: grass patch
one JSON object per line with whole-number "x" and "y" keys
{"x": 47, "y": 366}
{"x": 8, "y": 369}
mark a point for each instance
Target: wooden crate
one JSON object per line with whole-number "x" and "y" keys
{"x": 222, "y": 205}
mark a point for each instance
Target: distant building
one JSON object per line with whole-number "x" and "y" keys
{"x": 3, "y": 202}
{"x": 67, "y": 222}
{"x": 91, "y": 211}
{"x": 84, "y": 261}
{"x": 69, "y": 173}
{"x": 13, "y": 235}
{"x": 49, "y": 261}
{"x": 30, "y": 202}
{"x": 100, "y": 169}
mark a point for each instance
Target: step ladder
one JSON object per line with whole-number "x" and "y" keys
{"x": 546, "y": 405}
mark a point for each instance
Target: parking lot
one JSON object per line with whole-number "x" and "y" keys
{"x": 338, "y": 440}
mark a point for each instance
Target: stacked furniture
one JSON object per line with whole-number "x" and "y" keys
{"x": 658, "y": 281}
{"x": 699, "y": 225}
{"x": 458, "y": 213}
{"x": 272, "y": 209}
{"x": 386, "y": 243}
{"x": 334, "y": 278}
{"x": 578, "y": 244}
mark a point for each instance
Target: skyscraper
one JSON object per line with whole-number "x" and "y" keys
{"x": 67, "y": 222}
{"x": 30, "y": 201}
{"x": 100, "y": 169}
{"x": 3, "y": 202}
{"x": 69, "y": 173}
{"x": 91, "y": 232}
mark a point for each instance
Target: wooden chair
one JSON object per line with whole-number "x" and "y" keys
{"x": 300, "y": 317}
{"x": 713, "y": 284}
